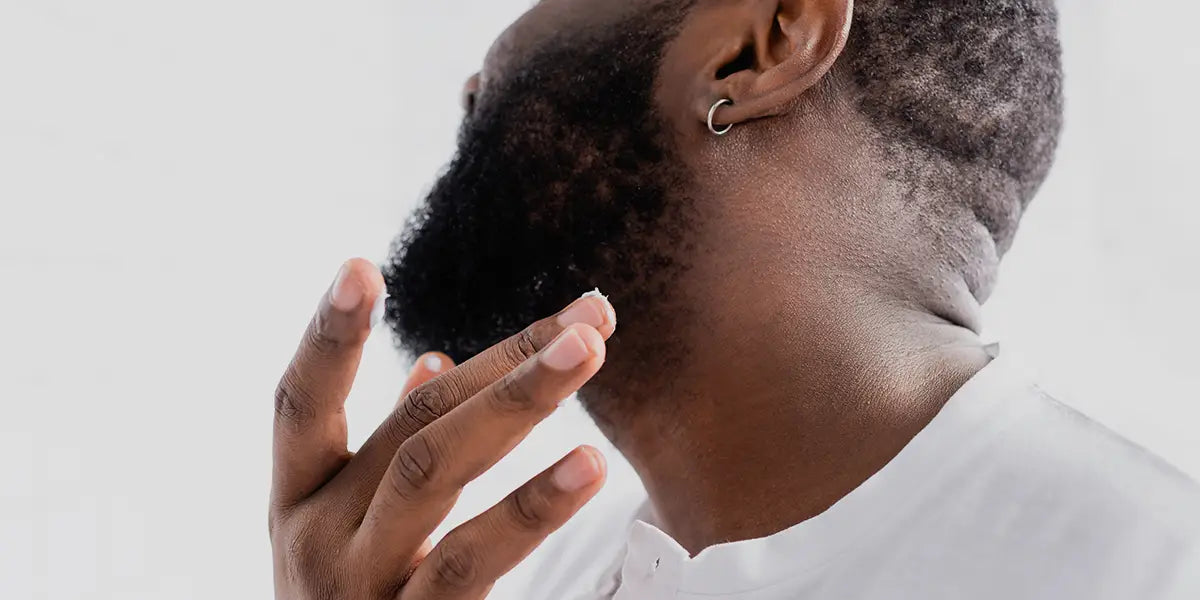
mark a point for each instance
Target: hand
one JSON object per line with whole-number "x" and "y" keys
{"x": 347, "y": 525}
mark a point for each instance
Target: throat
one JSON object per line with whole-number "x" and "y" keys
{"x": 772, "y": 427}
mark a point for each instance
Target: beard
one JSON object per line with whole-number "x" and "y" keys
{"x": 564, "y": 180}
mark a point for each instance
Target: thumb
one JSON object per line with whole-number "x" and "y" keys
{"x": 427, "y": 367}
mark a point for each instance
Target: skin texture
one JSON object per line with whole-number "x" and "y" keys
{"x": 357, "y": 525}
{"x": 798, "y": 298}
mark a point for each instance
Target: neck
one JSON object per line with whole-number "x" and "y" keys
{"x": 779, "y": 413}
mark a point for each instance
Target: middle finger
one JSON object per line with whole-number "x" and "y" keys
{"x": 428, "y": 402}
{"x": 430, "y": 469}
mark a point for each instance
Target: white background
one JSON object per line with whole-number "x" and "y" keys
{"x": 180, "y": 180}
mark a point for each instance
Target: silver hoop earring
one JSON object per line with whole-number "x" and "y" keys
{"x": 712, "y": 112}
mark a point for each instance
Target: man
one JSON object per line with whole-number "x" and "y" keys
{"x": 797, "y": 208}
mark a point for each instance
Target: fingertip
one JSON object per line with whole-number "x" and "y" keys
{"x": 593, "y": 339}
{"x": 433, "y": 363}
{"x": 610, "y": 313}
{"x": 436, "y": 362}
{"x": 593, "y": 308}
{"x": 598, "y": 457}
{"x": 426, "y": 368}
{"x": 357, "y": 280}
{"x": 582, "y": 468}
{"x": 576, "y": 346}
{"x": 368, "y": 275}
{"x": 378, "y": 308}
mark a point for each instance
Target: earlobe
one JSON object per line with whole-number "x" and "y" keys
{"x": 780, "y": 50}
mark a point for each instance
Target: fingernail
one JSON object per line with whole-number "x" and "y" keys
{"x": 346, "y": 293}
{"x": 609, "y": 312}
{"x": 592, "y": 308}
{"x": 566, "y": 352}
{"x": 432, "y": 363}
{"x": 580, "y": 470}
{"x": 379, "y": 308}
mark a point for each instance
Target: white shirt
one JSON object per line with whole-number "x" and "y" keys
{"x": 1007, "y": 494}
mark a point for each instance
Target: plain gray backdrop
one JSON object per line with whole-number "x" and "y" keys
{"x": 181, "y": 180}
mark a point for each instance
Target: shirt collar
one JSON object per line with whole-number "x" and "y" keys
{"x": 654, "y": 560}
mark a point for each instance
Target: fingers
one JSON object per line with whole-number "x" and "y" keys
{"x": 430, "y": 469}
{"x": 427, "y": 367}
{"x": 474, "y": 555}
{"x": 427, "y": 402}
{"x": 310, "y": 426}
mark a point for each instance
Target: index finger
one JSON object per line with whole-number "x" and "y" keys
{"x": 310, "y": 424}
{"x": 430, "y": 469}
{"x": 428, "y": 402}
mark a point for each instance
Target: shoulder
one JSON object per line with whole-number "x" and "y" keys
{"x": 1107, "y": 470}
{"x": 1075, "y": 491}
{"x": 1005, "y": 425}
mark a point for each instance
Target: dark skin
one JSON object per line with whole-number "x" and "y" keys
{"x": 356, "y": 525}
{"x": 819, "y": 340}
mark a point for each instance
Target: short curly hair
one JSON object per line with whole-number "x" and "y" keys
{"x": 968, "y": 93}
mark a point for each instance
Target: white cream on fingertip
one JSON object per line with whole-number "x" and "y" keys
{"x": 609, "y": 311}
{"x": 378, "y": 309}
{"x": 433, "y": 363}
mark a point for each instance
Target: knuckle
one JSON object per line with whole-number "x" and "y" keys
{"x": 415, "y": 466}
{"x": 528, "y": 509}
{"x": 512, "y": 394}
{"x": 421, "y": 407}
{"x": 293, "y": 402}
{"x": 455, "y": 567}
{"x": 521, "y": 347}
{"x": 525, "y": 343}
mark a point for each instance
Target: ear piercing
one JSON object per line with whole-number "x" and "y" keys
{"x": 713, "y": 111}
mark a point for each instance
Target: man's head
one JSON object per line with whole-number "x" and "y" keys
{"x": 884, "y": 146}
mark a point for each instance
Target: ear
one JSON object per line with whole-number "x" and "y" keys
{"x": 765, "y": 54}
